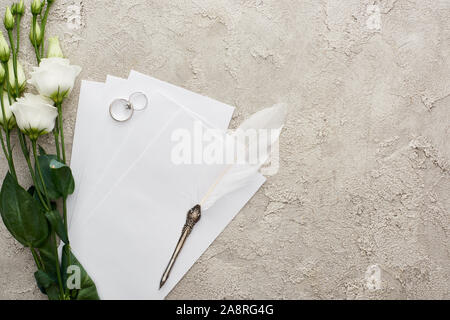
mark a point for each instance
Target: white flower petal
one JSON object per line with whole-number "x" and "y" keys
{"x": 48, "y": 62}
{"x": 33, "y": 113}
{"x": 35, "y": 99}
{"x": 54, "y": 77}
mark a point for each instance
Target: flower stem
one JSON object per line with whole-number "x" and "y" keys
{"x": 61, "y": 131}
{"x": 7, "y": 150}
{"x": 7, "y": 156}
{"x": 36, "y": 258}
{"x": 34, "y": 42}
{"x": 8, "y": 146}
{"x": 38, "y": 167}
{"x": 19, "y": 17}
{"x": 56, "y": 135}
{"x": 58, "y": 268}
{"x": 4, "y": 149}
{"x": 41, "y": 261}
{"x": 3, "y": 146}
{"x": 43, "y": 24}
{"x": 26, "y": 154}
{"x": 14, "y": 56}
{"x": 66, "y": 225}
{"x": 8, "y": 84}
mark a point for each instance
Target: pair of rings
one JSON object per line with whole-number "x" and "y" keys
{"x": 122, "y": 109}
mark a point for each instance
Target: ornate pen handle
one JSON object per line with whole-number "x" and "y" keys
{"x": 192, "y": 217}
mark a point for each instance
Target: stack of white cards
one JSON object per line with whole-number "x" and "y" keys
{"x": 131, "y": 198}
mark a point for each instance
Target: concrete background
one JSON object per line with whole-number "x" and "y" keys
{"x": 360, "y": 207}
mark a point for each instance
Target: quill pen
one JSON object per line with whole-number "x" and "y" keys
{"x": 235, "y": 176}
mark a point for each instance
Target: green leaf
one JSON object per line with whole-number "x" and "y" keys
{"x": 87, "y": 289}
{"x": 32, "y": 190}
{"x": 47, "y": 285}
{"x": 57, "y": 177}
{"x": 53, "y": 292}
{"x": 57, "y": 225}
{"x": 22, "y": 214}
{"x": 44, "y": 281}
{"x": 49, "y": 259}
{"x": 88, "y": 293}
{"x": 62, "y": 177}
{"x": 48, "y": 256}
{"x": 41, "y": 150}
{"x": 44, "y": 162}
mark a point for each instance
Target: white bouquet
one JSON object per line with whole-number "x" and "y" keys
{"x": 32, "y": 215}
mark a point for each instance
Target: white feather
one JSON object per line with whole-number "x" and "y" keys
{"x": 236, "y": 176}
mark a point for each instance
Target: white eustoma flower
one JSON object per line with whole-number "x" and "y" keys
{"x": 35, "y": 115}
{"x": 54, "y": 78}
{"x": 10, "y": 122}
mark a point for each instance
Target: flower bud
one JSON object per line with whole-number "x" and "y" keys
{"x": 36, "y": 7}
{"x": 8, "y": 21}
{"x": 8, "y": 120}
{"x": 54, "y": 49}
{"x": 2, "y": 74}
{"x": 4, "y": 49}
{"x": 14, "y": 9}
{"x": 20, "y": 8}
{"x": 36, "y": 33}
{"x": 22, "y": 81}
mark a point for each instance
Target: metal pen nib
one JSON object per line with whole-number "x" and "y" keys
{"x": 192, "y": 217}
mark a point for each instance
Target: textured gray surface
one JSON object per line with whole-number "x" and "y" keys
{"x": 360, "y": 207}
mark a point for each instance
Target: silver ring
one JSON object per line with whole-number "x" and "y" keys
{"x": 115, "y": 112}
{"x": 138, "y": 100}
{"x": 122, "y": 109}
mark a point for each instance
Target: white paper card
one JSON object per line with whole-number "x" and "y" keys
{"x": 217, "y": 113}
{"x": 113, "y": 134}
{"x": 91, "y": 94}
{"x": 127, "y": 241}
{"x": 143, "y": 131}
